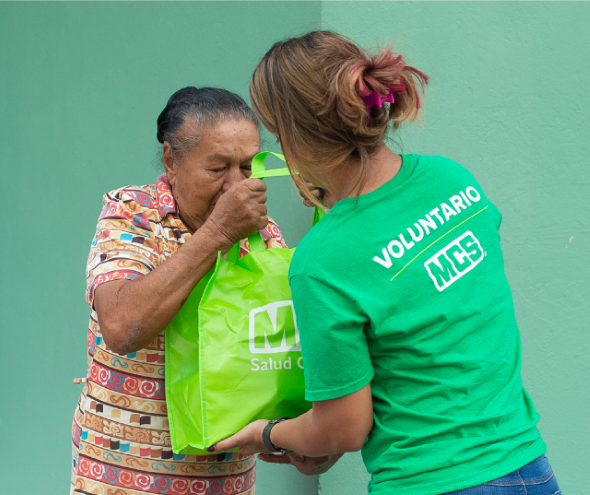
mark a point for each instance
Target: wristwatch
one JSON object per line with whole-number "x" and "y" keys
{"x": 266, "y": 436}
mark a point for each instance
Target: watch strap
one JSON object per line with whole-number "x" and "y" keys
{"x": 266, "y": 436}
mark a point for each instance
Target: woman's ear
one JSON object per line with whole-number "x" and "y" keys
{"x": 169, "y": 164}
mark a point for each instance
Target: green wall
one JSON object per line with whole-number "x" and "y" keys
{"x": 81, "y": 85}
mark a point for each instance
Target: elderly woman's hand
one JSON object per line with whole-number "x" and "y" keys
{"x": 304, "y": 464}
{"x": 239, "y": 212}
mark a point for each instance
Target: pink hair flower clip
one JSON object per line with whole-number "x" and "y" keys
{"x": 375, "y": 99}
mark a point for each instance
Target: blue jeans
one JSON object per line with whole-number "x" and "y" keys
{"x": 534, "y": 478}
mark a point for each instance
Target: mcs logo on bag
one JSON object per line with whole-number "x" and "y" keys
{"x": 454, "y": 260}
{"x": 273, "y": 328}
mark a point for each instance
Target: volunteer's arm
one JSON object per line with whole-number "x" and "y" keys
{"x": 132, "y": 312}
{"x": 331, "y": 427}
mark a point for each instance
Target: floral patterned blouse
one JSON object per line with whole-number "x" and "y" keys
{"x": 120, "y": 433}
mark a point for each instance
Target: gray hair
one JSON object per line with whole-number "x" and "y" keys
{"x": 206, "y": 107}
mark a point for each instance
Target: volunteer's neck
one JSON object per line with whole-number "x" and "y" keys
{"x": 343, "y": 181}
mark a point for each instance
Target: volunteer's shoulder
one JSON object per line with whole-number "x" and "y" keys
{"x": 453, "y": 173}
{"x": 310, "y": 249}
{"x": 438, "y": 163}
{"x": 443, "y": 166}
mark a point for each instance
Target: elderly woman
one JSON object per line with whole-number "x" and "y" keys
{"x": 152, "y": 246}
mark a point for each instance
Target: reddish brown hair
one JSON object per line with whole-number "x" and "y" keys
{"x": 309, "y": 92}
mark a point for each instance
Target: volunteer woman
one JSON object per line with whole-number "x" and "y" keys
{"x": 406, "y": 318}
{"x": 202, "y": 204}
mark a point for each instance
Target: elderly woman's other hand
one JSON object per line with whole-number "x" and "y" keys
{"x": 250, "y": 441}
{"x": 304, "y": 464}
{"x": 239, "y": 212}
{"x": 322, "y": 195}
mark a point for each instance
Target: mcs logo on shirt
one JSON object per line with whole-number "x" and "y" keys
{"x": 454, "y": 260}
{"x": 273, "y": 328}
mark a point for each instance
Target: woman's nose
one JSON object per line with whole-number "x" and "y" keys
{"x": 234, "y": 176}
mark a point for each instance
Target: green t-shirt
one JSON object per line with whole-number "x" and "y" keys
{"x": 406, "y": 289}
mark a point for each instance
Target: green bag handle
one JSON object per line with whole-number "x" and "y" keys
{"x": 234, "y": 253}
{"x": 318, "y": 214}
{"x": 259, "y": 171}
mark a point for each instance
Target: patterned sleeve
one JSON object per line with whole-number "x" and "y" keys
{"x": 272, "y": 236}
{"x": 124, "y": 244}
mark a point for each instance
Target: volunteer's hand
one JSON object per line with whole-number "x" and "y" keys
{"x": 248, "y": 439}
{"x": 239, "y": 212}
{"x": 305, "y": 465}
{"x": 320, "y": 194}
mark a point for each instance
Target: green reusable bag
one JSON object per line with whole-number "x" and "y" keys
{"x": 232, "y": 351}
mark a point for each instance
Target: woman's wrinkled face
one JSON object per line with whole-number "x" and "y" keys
{"x": 222, "y": 158}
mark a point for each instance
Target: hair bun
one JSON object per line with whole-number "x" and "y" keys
{"x": 162, "y": 124}
{"x": 381, "y": 73}
{"x": 188, "y": 93}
